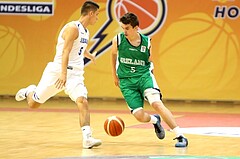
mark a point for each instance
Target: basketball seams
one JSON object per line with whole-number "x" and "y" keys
{"x": 108, "y": 125}
{"x": 116, "y": 131}
{"x": 119, "y": 122}
{"x": 114, "y": 126}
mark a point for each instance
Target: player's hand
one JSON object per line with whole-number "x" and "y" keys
{"x": 93, "y": 59}
{"x": 60, "y": 83}
{"x": 116, "y": 80}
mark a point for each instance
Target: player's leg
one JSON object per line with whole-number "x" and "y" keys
{"x": 141, "y": 115}
{"x": 152, "y": 94}
{"x": 36, "y": 95}
{"x": 164, "y": 113}
{"x": 154, "y": 98}
{"x": 23, "y": 93}
{"x": 84, "y": 115}
{"x": 135, "y": 101}
{"x": 78, "y": 93}
{"x": 155, "y": 119}
{"x": 31, "y": 102}
{"x": 169, "y": 119}
{"x": 84, "y": 121}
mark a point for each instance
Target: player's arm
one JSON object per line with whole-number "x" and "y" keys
{"x": 90, "y": 56}
{"x": 150, "y": 59}
{"x": 114, "y": 60}
{"x": 69, "y": 35}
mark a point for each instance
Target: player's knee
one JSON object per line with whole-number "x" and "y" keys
{"x": 139, "y": 117}
{"x": 82, "y": 103}
{"x": 139, "y": 114}
{"x": 82, "y": 100}
{"x": 158, "y": 105}
{"x": 152, "y": 95}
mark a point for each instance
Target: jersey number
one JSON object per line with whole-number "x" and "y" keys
{"x": 133, "y": 69}
{"x": 80, "y": 51}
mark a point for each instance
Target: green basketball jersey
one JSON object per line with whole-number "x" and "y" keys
{"x": 132, "y": 60}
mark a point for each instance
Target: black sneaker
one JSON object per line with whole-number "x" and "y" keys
{"x": 158, "y": 128}
{"x": 181, "y": 141}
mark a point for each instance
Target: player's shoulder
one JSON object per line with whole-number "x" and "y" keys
{"x": 115, "y": 38}
{"x": 117, "y": 35}
{"x": 118, "y": 38}
{"x": 70, "y": 29}
{"x": 72, "y": 25}
{"x": 144, "y": 36}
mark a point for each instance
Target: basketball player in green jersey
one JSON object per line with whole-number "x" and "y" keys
{"x": 132, "y": 72}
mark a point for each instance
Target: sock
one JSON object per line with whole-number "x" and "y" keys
{"x": 178, "y": 132}
{"x": 86, "y": 132}
{"x": 153, "y": 119}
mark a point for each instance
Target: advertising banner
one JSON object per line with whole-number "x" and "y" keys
{"x": 195, "y": 44}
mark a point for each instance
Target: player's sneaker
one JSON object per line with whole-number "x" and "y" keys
{"x": 91, "y": 142}
{"x": 181, "y": 141}
{"x": 158, "y": 128}
{"x": 22, "y": 93}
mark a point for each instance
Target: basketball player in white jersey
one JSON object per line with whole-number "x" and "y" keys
{"x": 67, "y": 69}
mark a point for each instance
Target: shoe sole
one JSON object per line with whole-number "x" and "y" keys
{"x": 95, "y": 145}
{"x": 182, "y": 144}
{"x": 17, "y": 95}
{"x": 162, "y": 132}
{"x": 161, "y": 128}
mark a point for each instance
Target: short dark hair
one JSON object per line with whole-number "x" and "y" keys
{"x": 130, "y": 18}
{"x": 89, "y": 6}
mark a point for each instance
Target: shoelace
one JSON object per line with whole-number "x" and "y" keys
{"x": 179, "y": 138}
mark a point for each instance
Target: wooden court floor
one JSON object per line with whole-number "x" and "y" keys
{"x": 53, "y": 132}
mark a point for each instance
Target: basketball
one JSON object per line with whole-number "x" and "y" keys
{"x": 114, "y": 126}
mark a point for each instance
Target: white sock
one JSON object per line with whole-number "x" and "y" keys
{"x": 177, "y": 131}
{"x": 86, "y": 132}
{"x": 153, "y": 119}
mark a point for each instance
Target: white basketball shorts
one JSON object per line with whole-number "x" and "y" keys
{"x": 74, "y": 86}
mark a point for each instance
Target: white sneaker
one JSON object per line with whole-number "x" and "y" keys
{"x": 91, "y": 142}
{"x": 22, "y": 93}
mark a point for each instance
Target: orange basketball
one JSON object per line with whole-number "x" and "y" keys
{"x": 114, "y": 126}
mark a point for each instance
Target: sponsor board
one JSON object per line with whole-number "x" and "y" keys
{"x": 26, "y": 8}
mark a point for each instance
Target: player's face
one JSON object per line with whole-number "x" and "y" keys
{"x": 128, "y": 30}
{"x": 93, "y": 17}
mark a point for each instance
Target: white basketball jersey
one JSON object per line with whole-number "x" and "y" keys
{"x": 76, "y": 55}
